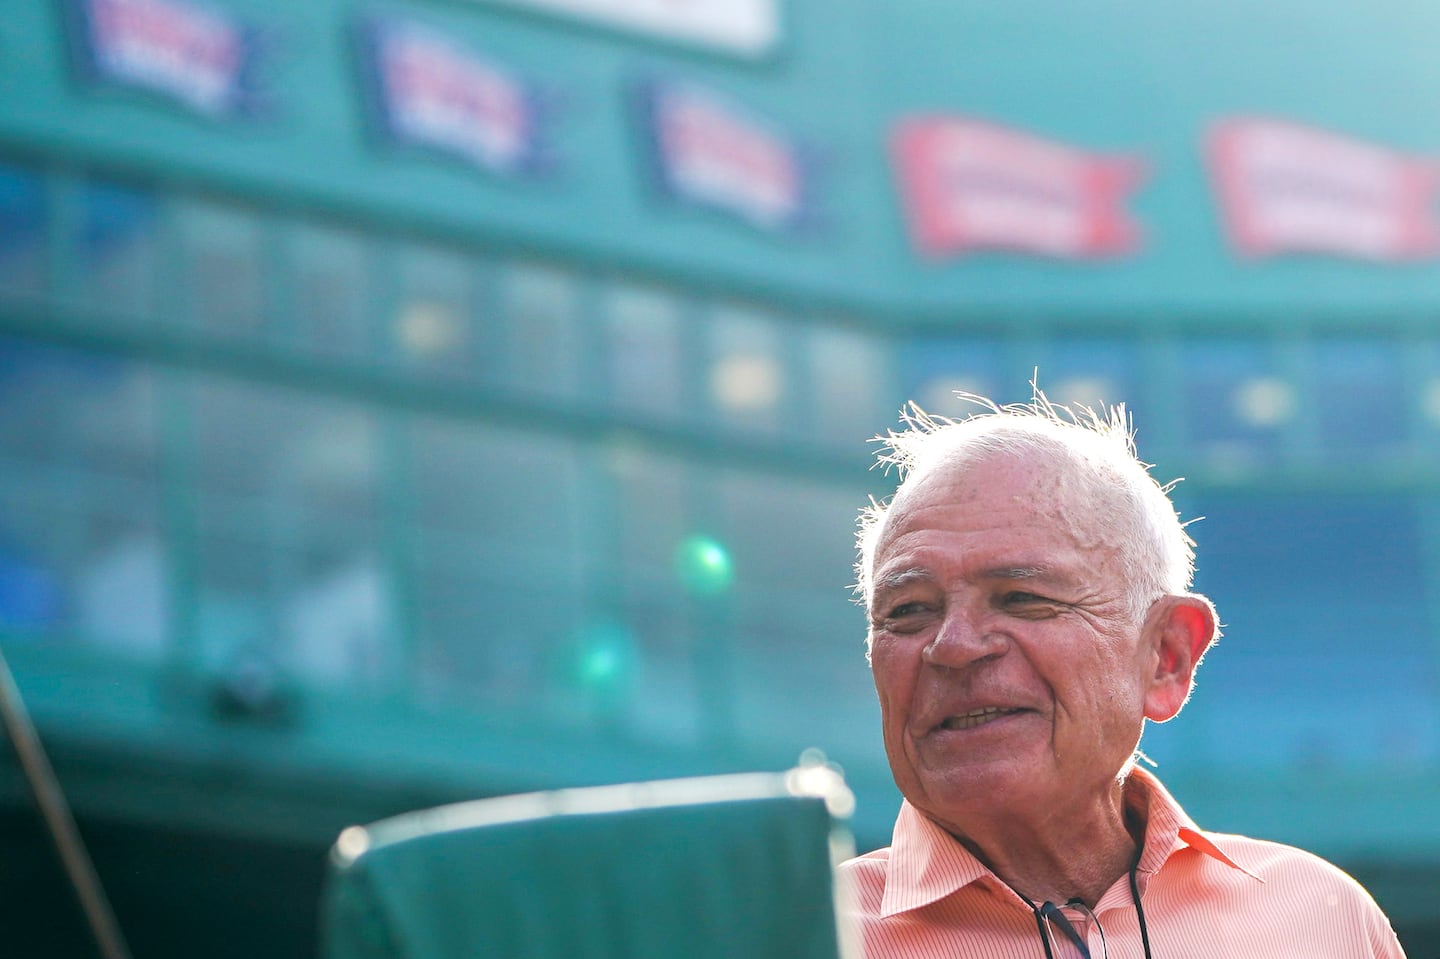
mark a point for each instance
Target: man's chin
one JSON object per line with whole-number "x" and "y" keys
{"x": 993, "y": 787}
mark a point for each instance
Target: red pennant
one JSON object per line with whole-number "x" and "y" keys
{"x": 970, "y": 185}
{"x": 1289, "y": 188}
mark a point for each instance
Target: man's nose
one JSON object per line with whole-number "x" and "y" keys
{"x": 963, "y": 638}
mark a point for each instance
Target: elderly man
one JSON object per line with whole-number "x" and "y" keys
{"x": 1028, "y": 597}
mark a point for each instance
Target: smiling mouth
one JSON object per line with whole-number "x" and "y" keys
{"x": 977, "y": 717}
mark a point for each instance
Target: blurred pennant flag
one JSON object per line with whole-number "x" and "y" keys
{"x": 430, "y": 92}
{"x": 198, "y": 56}
{"x": 712, "y": 153}
{"x": 1283, "y": 188}
{"x": 969, "y": 185}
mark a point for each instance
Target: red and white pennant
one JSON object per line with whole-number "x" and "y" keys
{"x": 969, "y": 185}
{"x": 1285, "y": 188}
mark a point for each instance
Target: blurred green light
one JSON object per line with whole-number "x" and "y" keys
{"x": 703, "y": 565}
{"x": 603, "y": 657}
{"x": 599, "y": 665}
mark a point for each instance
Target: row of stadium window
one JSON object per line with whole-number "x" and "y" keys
{"x": 157, "y": 261}
{"x": 163, "y": 262}
{"x": 153, "y": 516}
{"x": 1218, "y": 402}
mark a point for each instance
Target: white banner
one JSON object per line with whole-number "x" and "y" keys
{"x": 748, "y": 27}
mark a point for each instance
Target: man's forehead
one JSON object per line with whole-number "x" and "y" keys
{"x": 1044, "y": 506}
{"x": 1033, "y": 489}
{"x": 1037, "y": 572}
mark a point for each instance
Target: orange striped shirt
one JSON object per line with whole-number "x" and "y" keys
{"x": 1204, "y": 895}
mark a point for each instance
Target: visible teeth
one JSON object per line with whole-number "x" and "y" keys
{"x": 976, "y": 717}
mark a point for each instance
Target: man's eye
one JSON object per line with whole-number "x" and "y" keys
{"x": 1020, "y": 598}
{"x": 1028, "y": 603}
{"x": 901, "y": 614}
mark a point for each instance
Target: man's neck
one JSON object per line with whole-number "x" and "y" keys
{"x": 1058, "y": 859}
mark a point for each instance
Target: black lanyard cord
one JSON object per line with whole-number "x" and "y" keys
{"x": 1139, "y": 910}
{"x": 1044, "y": 936}
{"x": 1139, "y": 915}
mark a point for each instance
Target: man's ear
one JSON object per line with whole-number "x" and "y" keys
{"x": 1178, "y": 630}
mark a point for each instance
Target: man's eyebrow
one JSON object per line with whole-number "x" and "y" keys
{"x": 903, "y": 577}
{"x": 1018, "y": 572}
{"x": 1035, "y": 573}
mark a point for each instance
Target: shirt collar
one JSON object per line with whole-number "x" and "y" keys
{"x": 927, "y": 863}
{"x": 1168, "y": 829}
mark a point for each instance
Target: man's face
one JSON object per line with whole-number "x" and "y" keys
{"x": 1010, "y": 671}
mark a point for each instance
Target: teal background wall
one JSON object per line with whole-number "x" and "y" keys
{"x": 339, "y": 479}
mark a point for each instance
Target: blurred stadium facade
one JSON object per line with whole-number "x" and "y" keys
{"x": 413, "y": 401}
